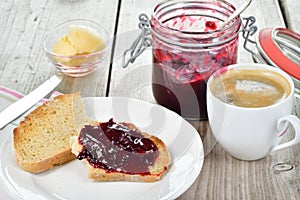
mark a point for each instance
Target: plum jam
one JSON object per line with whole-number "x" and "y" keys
{"x": 117, "y": 148}
{"x": 187, "y": 48}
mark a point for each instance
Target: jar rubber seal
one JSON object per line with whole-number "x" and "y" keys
{"x": 281, "y": 47}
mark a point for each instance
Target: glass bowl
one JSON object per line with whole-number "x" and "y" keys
{"x": 77, "y": 64}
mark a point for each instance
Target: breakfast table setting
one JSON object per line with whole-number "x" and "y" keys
{"x": 219, "y": 148}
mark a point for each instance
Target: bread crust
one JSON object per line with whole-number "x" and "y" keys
{"x": 46, "y": 122}
{"x": 47, "y": 163}
{"x": 157, "y": 171}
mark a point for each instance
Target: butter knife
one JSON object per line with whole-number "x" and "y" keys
{"x": 19, "y": 107}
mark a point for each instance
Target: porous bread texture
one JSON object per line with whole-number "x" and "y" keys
{"x": 41, "y": 140}
{"x": 157, "y": 171}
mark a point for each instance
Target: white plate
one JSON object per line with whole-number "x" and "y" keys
{"x": 70, "y": 181}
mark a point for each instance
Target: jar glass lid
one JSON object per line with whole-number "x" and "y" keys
{"x": 281, "y": 47}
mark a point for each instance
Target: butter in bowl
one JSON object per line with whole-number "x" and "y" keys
{"x": 77, "y": 47}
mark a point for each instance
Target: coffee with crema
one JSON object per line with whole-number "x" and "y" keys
{"x": 250, "y": 88}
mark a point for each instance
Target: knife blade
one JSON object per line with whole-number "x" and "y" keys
{"x": 19, "y": 107}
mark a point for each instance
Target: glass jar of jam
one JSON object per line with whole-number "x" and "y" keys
{"x": 187, "y": 48}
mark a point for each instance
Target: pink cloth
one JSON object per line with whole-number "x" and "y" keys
{"x": 9, "y": 96}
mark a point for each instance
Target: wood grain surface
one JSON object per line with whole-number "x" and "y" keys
{"x": 24, "y": 66}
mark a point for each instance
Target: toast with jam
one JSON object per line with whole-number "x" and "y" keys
{"x": 41, "y": 140}
{"x": 121, "y": 152}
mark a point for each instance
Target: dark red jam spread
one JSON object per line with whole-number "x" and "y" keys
{"x": 117, "y": 148}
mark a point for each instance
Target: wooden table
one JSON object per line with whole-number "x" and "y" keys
{"x": 24, "y": 66}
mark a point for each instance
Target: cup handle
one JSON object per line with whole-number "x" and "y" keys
{"x": 295, "y": 122}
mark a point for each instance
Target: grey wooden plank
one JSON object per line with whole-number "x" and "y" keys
{"x": 290, "y": 10}
{"x": 135, "y": 80}
{"x": 23, "y": 63}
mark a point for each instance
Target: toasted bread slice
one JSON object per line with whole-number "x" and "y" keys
{"x": 155, "y": 171}
{"x": 41, "y": 140}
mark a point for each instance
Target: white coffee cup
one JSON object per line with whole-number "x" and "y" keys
{"x": 249, "y": 133}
